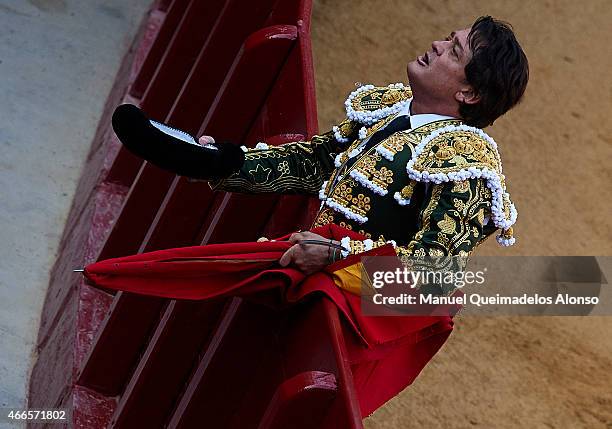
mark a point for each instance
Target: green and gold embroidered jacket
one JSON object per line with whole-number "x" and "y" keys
{"x": 436, "y": 190}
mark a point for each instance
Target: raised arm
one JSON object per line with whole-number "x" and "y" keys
{"x": 291, "y": 168}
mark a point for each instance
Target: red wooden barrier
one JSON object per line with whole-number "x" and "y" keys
{"x": 187, "y": 200}
{"x": 237, "y": 70}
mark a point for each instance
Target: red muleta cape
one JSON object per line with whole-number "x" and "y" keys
{"x": 386, "y": 352}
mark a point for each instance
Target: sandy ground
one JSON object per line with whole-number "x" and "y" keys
{"x": 503, "y": 372}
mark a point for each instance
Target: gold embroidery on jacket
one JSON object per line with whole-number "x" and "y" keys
{"x": 459, "y": 204}
{"x": 461, "y": 187}
{"x": 283, "y": 182}
{"x": 283, "y": 168}
{"x": 369, "y": 131}
{"x": 325, "y": 216}
{"x": 451, "y": 152}
{"x": 366, "y": 165}
{"x": 406, "y": 252}
{"x": 380, "y": 97}
{"x": 480, "y": 217}
{"x": 343, "y": 224}
{"x": 260, "y": 174}
{"x": 359, "y": 204}
{"x": 367, "y": 234}
{"x": 448, "y": 225}
{"x": 472, "y": 210}
{"x": 396, "y": 142}
{"x": 455, "y": 229}
{"x": 310, "y": 169}
{"x": 346, "y": 128}
{"x": 383, "y": 177}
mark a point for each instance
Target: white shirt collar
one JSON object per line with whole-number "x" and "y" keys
{"x": 423, "y": 118}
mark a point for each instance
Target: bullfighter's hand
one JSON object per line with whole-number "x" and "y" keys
{"x": 308, "y": 258}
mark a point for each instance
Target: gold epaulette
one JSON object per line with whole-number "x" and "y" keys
{"x": 369, "y": 103}
{"x": 454, "y": 151}
{"x": 457, "y": 153}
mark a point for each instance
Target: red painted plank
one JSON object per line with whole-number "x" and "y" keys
{"x": 89, "y": 409}
{"x": 121, "y": 166}
{"x": 174, "y": 16}
{"x": 300, "y": 402}
{"x": 345, "y": 411}
{"x": 194, "y": 31}
{"x": 166, "y": 364}
{"x": 156, "y": 20}
{"x": 164, "y": 4}
{"x": 63, "y": 282}
{"x": 291, "y": 213}
{"x": 312, "y": 339}
{"x": 302, "y": 345}
{"x": 291, "y": 12}
{"x": 105, "y": 370}
{"x": 240, "y": 97}
{"x": 291, "y": 105}
{"x": 52, "y": 372}
{"x": 236, "y": 22}
{"x": 265, "y": 51}
{"x": 81, "y": 246}
{"x": 280, "y": 116}
{"x": 93, "y": 306}
{"x": 124, "y": 168}
{"x": 243, "y": 340}
{"x": 179, "y": 217}
{"x": 137, "y": 212}
{"x": 255, "y": 351}
{"x": 227, "y": 221}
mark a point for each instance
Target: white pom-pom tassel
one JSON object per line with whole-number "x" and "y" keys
{"x": 401, "y": 201}
{"x": 338, "y": 161}
{"x": 338, "y": 135}
{"x": 386, "y": 153}
{"x": 346, "y": 244}
{"x": 506, "y": 242}
{"x": 363, "y": 132}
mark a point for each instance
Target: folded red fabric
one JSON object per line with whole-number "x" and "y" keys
{"x": 386, "y": 353}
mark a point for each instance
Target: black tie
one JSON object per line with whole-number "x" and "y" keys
{"x": 398, "y": 124}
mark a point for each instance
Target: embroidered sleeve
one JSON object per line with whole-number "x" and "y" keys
{"x": 452, "y": 222}
{"x": 298, "y": 167}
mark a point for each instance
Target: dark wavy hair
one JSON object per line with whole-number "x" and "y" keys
{"x": 498, "y": 71}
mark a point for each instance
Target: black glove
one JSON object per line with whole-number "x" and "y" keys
{"x": 174, "y": 150}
